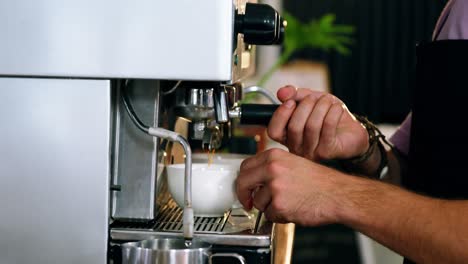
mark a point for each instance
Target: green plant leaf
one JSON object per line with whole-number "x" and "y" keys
{"x": 320, "y": 33}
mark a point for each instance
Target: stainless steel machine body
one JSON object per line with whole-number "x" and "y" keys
{"x": 77, "y": 177}
{"x": 54, "y": 170}
{"x": 157, "y": 39}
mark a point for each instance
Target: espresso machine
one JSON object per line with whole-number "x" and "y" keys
{"x": 77, "y": 176}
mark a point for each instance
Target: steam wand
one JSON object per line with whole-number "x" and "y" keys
{"x": 188, "y": 218}
{"x": 188, "y": 221}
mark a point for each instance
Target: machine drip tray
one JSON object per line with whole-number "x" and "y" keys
{"x": 170, "y": 220}
{"x": 235, "y": 228}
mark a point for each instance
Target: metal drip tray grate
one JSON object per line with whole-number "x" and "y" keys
{"x": 235, "y": 228}
{"x": 170, "y": 220}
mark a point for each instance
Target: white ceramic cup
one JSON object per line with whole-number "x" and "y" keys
{"x": 220, "y": 158}
{"x": 213, "y": 187}
{"x": 223, "y": 158}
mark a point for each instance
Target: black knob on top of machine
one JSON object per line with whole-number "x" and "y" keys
{"x": 261, "y": 25}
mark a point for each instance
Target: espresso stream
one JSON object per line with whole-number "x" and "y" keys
{"x": 211, "y": 155}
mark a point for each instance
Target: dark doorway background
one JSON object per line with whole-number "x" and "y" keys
{"x": 375, "y": 79}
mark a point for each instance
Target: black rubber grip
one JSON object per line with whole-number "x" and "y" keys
{"x": 257, "y": 114}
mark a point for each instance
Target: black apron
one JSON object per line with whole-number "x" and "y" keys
{"x": 438, "y": 158}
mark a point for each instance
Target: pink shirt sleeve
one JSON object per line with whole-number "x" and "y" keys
{"x": 401, "y": 138}
{"x": 453, "y": 21}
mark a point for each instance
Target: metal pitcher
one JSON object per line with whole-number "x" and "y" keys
{"x": 171, "y": 251}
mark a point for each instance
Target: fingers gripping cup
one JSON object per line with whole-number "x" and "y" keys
{"x": 213, "y": 187}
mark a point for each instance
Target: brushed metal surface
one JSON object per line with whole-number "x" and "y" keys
{"x": 142, "y": 39}
{"x": 242, "y": 239}
{"x": 54, "y": 170}
{"x": 171, "y": 251}
{"x": 236, "y": 230}
{"x": 137, "y": 165}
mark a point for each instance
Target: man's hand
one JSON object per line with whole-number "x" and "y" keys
{"x": 317, "y": 126}
{"x": 288, "y": 188}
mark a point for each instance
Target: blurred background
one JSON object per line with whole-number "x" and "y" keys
{"x": 365, "y": 55}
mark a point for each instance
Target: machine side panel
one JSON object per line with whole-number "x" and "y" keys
{"x": 54, "y": 170}
{"x": 137, "y": 162}
{"x": 150, "y": 39}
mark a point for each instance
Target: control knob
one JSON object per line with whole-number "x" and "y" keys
{"x": 261, "y": 25}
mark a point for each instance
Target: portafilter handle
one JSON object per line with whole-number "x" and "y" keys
{"x": 256, "y": 114}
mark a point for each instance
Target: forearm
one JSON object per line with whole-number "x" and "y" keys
{"x": 423, "y": 229}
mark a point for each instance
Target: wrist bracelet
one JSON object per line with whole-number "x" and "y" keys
{"x": 375, "y": 136}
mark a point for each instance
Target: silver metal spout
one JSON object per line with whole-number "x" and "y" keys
{"x": 221, "y": 105}
{"x": 257, "y": 89}
{"x": 212, "y": 138}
